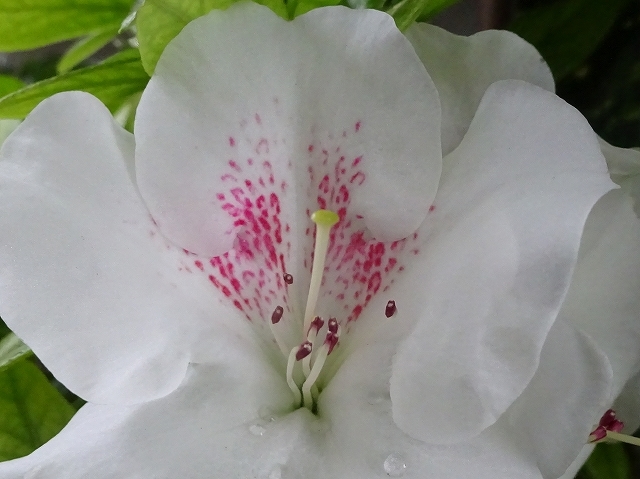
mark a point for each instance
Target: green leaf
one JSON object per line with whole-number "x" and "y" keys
{"x": 26, "y": 24}
{"x": 112, "y": 81}
{"x": 304, "y": 6}
{"x": 32, "y": 411}
{"x": 9, "y": 84}
{"x": 565, "y": 33}
{"x": 159, "y": 21}
{"x": 608, "y": 461}
{"x": 12, "y": 349}
{"x": 405, "y": 12}
{"x": 84, "y": 48}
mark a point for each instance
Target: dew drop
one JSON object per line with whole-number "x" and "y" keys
{"x": 394, "y": 465}
{"x": 257, "y": 429}
{"x": 373, "y": 400}
{"x": 276, "y": 473}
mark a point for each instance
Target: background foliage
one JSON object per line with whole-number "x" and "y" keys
{"x": 110, "y": 47}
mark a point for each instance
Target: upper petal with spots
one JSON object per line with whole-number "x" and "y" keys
{"x": 334, "y": 94}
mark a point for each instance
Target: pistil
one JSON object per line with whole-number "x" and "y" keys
{"x": 311, "y": 357}
{"x": 324, "y": 220}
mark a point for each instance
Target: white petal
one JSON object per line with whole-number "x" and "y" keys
{"x": 86, "y": 279}
{"x": 624, "y": 164}
{"x": 357, "y": 406}
{"x": 566, "y": 397}
{"x": 203, "y": 429}
{"x": 212, "y": 427}
{"x": 627, "y": 405}
{"x": 463, "y": 68}
{"x": 604, "y": 299}
{"x": 499, "y": 251}
{"x": 575, "y": 466}
{"x": 243, "y": 100}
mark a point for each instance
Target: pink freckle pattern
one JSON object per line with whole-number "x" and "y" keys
{"x": 253, "y": 275}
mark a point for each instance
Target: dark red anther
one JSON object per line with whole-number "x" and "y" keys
{"x": 331, "y": 340}
{"x": 304, "y": 350}
{"x": 277, "y": 314}
{"x": 333, "y": 326}
{"x": 316, "y": 324}
{"x": 607, "y": 418}
{"x": 598, "y": 434}
{"x": 287, "y": 278}
{"x": 390, "y": 309}
{"x": 616, "y": 426}
{"x": 609, "y": 421}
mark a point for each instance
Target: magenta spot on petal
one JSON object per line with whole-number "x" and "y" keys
{"x": 432, "y": 208}
{"x": 232, "y": 141}
{"x": 358, "y": 125}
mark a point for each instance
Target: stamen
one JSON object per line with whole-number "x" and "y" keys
{"x": 391, "y": 309}
{"x": 314, "y": 328}
{"x": 276, "y": 316}
{"x": 609, "y": 428}
{"x": 324, "y": 220}
{"x": 616, "y": 436}
{"x": 315, "y": 325}
{"x": 303, "y": 349}
{"x": 288, "y": 278}
{"x": 329, "y": 343}
{"x": 333, "y": 325}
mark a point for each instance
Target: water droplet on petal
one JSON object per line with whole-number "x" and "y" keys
{"x": 257, "y": 429}
{"x": 276, "y": 473}
{"x": 373, "y": 400}
{"x": 394, "y": 465}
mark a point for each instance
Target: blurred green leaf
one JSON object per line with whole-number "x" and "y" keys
{"x": 405, "y": 12}
{"x": 608, "y": 461}
{"x": 566, "y": 32}
{"x": 31, "y": 410}
{"x": 304, "y": 6}
{"x": 26, "y": 24}
{"x": 84, "y": 48}
{"x": 159, "y": 21}
{"x": 12, "y": 349}
{"x": 112, "y": 81}
{"x": 9, "y": 84}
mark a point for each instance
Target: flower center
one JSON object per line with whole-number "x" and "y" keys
{"x": 319, "y": 337}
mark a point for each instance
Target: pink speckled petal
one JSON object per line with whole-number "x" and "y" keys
{"x": 249, "y": 113}
{"x": 86, "y": 279}
{"x": 492, "y": 274}
{"x": 463, "y": 68}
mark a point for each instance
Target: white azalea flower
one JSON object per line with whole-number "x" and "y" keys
{"x": 170, "y": 279}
